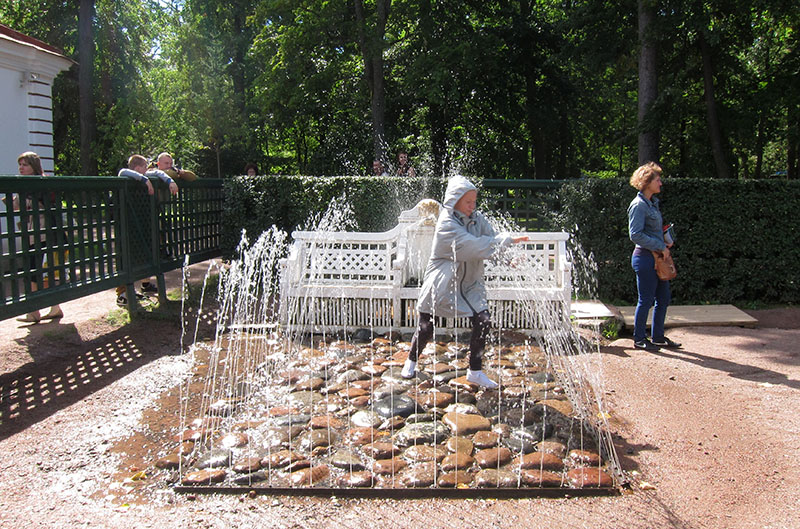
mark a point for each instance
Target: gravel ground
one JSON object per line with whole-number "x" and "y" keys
{"x": 708, "y": 435}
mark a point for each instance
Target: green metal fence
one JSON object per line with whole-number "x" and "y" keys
{"x": 523, "y": 200}
{"x": 67, "y": 237}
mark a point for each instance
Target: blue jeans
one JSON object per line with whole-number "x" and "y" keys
{"x": 651, "y": 289}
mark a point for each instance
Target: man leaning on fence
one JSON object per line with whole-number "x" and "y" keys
{"x": 137, "y": 170}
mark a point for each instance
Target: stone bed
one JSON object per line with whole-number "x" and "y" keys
{"x": 341, "y": 417}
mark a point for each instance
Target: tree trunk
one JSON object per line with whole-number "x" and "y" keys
{"x": 86, "y": 98}
{"x": 712, "y": 117}
{"x": 648, "y": 83}
{"x": 372, "y": 45}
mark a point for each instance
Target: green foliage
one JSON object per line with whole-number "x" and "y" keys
{"x": 735, "y": 242}
{"x": 288, "y": 202}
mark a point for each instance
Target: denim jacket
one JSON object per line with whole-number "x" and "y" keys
{"x": 645, "y": 223}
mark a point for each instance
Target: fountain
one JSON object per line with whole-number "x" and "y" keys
{"x": 301, "y": 389}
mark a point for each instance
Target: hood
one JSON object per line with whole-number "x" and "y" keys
{"x": 456, "y": 188}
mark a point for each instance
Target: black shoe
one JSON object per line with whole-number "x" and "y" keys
{"x": 646, "y": 345}
{"x": 666, "y": 342}
{"x": 149, "y": 288}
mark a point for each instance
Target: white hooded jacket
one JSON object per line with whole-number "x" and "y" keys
{"x": 454, "y": 284}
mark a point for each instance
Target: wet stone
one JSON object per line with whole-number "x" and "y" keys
{"x": 439, "y": 368}
{"x": 422, "y": 475}
{"x": 169, "y": 462}
{"x": 253, "y": 477}
{"x": 462, "y": 407}
{"x": 460, "y": 445}
{"x": 215, "y": 458}
{"x": 589, "y": 478}
{"x": 396, "y": 405}
{"x": 540, "y": 478}
{"x": 380, "y": 450}
{"x": 461, "y": 383}
{"x": 375, "y": 370}
{"x": 500, "y": 479}
{"x": 223, "y": 407}
{"x": 294, "y": 419}
{"x": 389, "y": 466}
{"x": 393, "y": 423}
{"x": 305, "y": 399}
{"x": 359, "y": 435}
{"x": 346, "y": 459}
{"x": 204, "y": 477}
{"x": 561, "y": 406}
{"x": 317, "y": 438}
{"x": 309, "y": 384}
{"x": 539, "y": 460}
{"x": 386, "y": 390}
{"x": 325, "y": 422}
{"x": 420, "y": 417}
{"x": 585, "y": 457}
{"x": 447, "y": 376}
{"x": 279, "y": 437}
{"x": 352, "y": 393}
{"x": 281, "y": 458}
{"x": 485, "y": 439}
{"x": 358, "y": 479}
{"x": 454, "y": 479}
{"x": 557, "y": 448}
{"x": 421, "y": 433}
{"x": 234, "y": 440}
{"x": 423, "y": 453}
{"x": 366, "y": 418}
{"x": 466, "y": 424}
{"x": 351, "y": 375}
{"x": 493, "y": 457}
{"x": 435, "y": 399}
{"x": 247, "y": 465}
{"x": 308, "y": 477}
{"x": 360, "y": 402}
{"x": 457, "y": 461}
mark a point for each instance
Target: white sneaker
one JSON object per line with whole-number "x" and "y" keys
{"x": 409, "y": 368}
{"x": 480, "y": 378}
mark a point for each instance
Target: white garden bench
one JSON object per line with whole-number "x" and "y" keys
{"x": 334, "y": 281}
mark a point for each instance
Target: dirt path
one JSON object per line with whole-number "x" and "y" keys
{"x": 711, "y": 431}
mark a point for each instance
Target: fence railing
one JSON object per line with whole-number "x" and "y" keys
{"x": 67, "y": 237}
{"x": 523, "y": 200}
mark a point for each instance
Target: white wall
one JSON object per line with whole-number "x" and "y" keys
{"x": 26, "y": 117}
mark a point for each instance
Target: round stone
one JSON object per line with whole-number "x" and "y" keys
{"x": 589, "y": 478}
{"x": 389, "y": 466}
{"x": 533, "y": 477}
{"x": 204, "y": 477}
{"x": 493, "y": 457}
{"x": 361, "y": 435}
{"x": 457, "y": 461}
{"x": 308, "y": 477}
{"x": 460, "y": 445}
{"x": 346, "y": 459}
{"x": 539, "y": 460}
{"x": 585, "y": 458}
{"x": 234, "y": 440}
{"x": 281, "y": 459}
{"x": 366, "y": 418}
{"x": 500, "y": 479}
{"x": 557, "y": 448}
{"x": 170, "y": 462}
{"x": 247, "y": 465}
{"x": 466, "y": 424}
{"x": 421, "y": 433}
{"x": 358, "y": 479}
{"x": 422, "y": 475}
{"x": 395, "y": 405}
{"x": 379, "y": 450}
{"x": 325, "y": 422}
{"x": 247, "y": 479}
{"x": 485, "y": 439}
{"x": 454, "y": 479}
{"x": 423, "y": 453}
{"x": 215, "y": 458}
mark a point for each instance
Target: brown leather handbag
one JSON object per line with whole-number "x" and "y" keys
{"x": 665, "y": 267}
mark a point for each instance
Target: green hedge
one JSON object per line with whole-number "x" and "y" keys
{"x": 288, "y": 202}
{"x": 736, "y": 241}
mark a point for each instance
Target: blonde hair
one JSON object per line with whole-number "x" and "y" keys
{"x": 645, "y": 174}
{"x": 33, "y": 160}
{"x": 136, "y": 160}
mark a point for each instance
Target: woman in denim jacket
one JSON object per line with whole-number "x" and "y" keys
{"x": 645, "y": 230}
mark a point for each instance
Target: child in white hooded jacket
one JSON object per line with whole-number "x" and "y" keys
{"x": 454, "y": 285}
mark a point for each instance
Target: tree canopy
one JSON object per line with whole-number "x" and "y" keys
{"x": 501, "y": 89}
